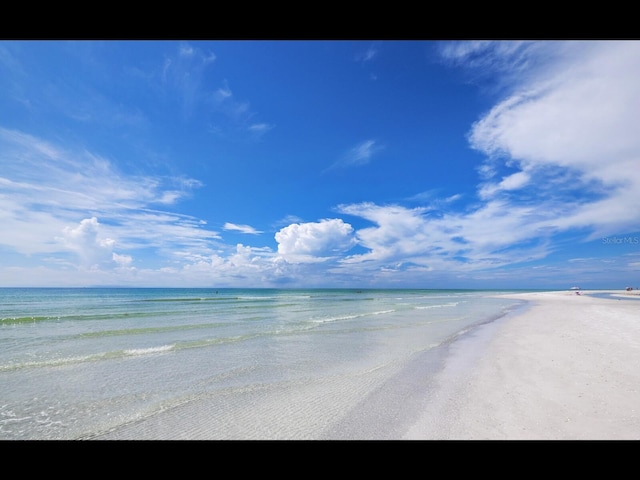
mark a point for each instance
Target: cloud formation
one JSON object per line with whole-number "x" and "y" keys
{"x": 86, "y": 240}
{"x": 57, "y": 200}
{"x": 241, "y": 228}
{"x": 361, "y": 154}
{"x": 314, "y": 241}
{"x": 560, "y": 154}
{"x": 574, "y": 118}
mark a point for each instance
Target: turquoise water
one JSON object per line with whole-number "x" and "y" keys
{"x": 109, "y": 363}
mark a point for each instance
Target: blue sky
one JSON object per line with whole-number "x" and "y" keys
{"x": 290, "y": 163}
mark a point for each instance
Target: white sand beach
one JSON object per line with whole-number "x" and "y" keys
{"x": 566, "y": 368}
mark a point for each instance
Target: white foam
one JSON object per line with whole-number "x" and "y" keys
{"x": 147, "y": 351}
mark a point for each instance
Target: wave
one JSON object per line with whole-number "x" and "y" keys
{"x": 18, "y": 320}
{"x": 426, "y": 307}
{"x": 351, "y": 316}
{"x": 188, "y": 299}
{"x": 65, "y": 361}
{"x": 147, "y": 351}
{"x": 270, "y": 297}
{"x": 82, "y": 317}
{"x": 244, "y": 298}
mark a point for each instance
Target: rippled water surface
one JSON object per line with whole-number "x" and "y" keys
{"x": 219, "y": 364}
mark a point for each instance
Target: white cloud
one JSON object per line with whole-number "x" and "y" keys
{"x": 223, "y": 93}
{"x": 87, "y": 240}
{"x": 515, "y": 181}
{"x": 562, "y": 154}
{"x": 566, "y": 130}
{"x": 361, "y": 154}
{"x": 50, "y": 196}
{"x": 122, "y": 260}
{"x": 225, "y": 101}
{"x": 240, "y": 266}
{"x": 368, "y": 55}
{"x": 257, "y": 130}
{"x": 288, "y": 219}
{"x": 241, "y": 228}
{"x": 509, "y": 58}
{"x": 260, "y": 128}
{"x": 574, "y": 114}
{"x": 183, "y": 73}
{"x": 400, "y": 234}
{"x": 41, "y": 173}
{"x": 489, "y": 236}
{"x": 314, "y": 241}
{"x": 239, "y": 112}
{"x": 511, "y": 182}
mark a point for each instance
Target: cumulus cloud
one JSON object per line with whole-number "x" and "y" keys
{"x": 314, "y": 241}
{"x": 399, "y": 234}
{"x": 87, "y": 241}
{"x": 236, "y": 266}
{"x": 561, "y": 156}
{"x": 415, "y": 242}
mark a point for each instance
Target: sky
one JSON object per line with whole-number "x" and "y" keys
{"x": 320, "y": 163}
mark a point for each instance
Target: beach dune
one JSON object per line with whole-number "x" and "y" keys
{"x": 565, "y": 368}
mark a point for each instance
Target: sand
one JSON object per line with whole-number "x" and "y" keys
{"x": 565, "y": 368}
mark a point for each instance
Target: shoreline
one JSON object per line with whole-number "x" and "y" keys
{"x": 562, "y": 368}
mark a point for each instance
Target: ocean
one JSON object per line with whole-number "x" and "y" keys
{"x": 225, "y": 364}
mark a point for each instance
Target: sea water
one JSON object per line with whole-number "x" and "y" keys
{"x": 152, "y": 363}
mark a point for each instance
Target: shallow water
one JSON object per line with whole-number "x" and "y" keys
{"x": 224, "y": 364}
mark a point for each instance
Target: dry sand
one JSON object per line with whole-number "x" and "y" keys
{"x": 566, "y": 368}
